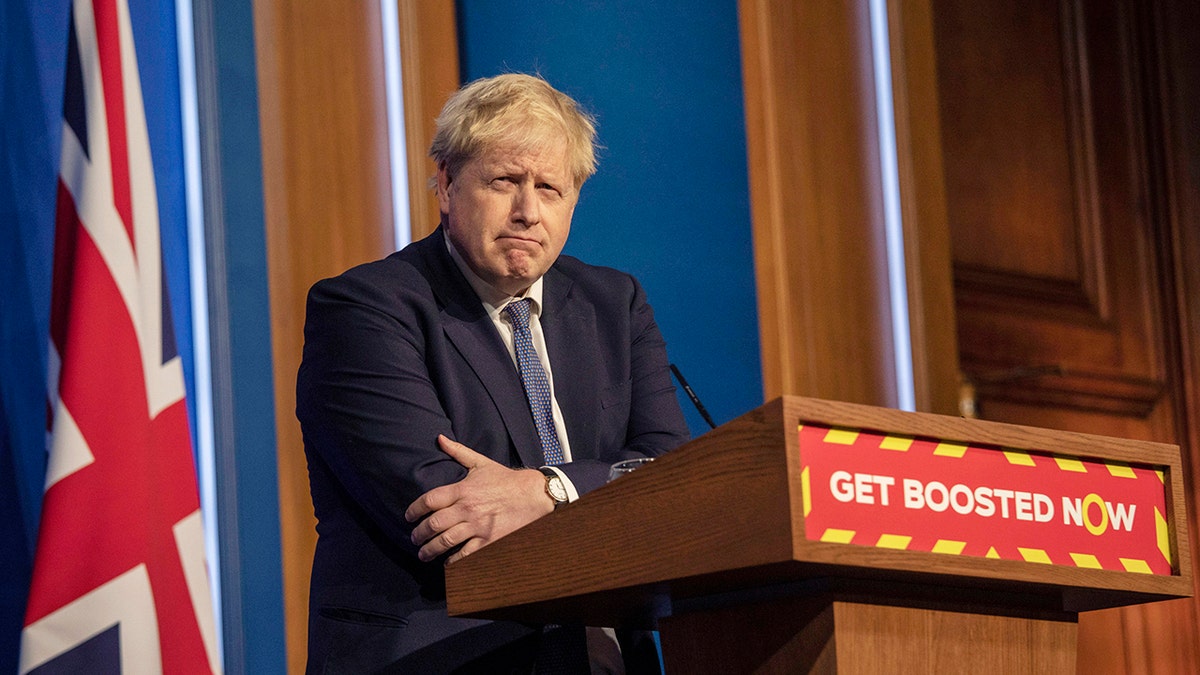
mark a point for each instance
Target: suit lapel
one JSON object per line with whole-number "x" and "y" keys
{"x": 468, "y": 327}
{"x": 570, "y": 330}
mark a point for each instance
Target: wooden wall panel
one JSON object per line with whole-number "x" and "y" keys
{"x": 1175, "y": 73}
{"x": 429, "y": 61}
{"x": 920, "y": 169}
{"x": 1067, "y": 259}
{"x": 1019, "y": 217}
{"x": 1054, "y": 256}
{"x": 816, "y": 201}
{"x": 326, "y": 184}
{"x": 327, "y": 187}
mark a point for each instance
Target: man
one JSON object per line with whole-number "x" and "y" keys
{"x": 468, "y": 385}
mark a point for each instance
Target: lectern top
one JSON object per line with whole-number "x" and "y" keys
{"x": 752, "y": 507}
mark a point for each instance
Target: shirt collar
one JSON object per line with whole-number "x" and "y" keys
{"x": 494, "y": 300}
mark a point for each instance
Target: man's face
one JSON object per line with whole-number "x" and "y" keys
{"x": 508, "y": 213}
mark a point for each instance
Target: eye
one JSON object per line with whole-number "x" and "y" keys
{"x": 546, "y": 187}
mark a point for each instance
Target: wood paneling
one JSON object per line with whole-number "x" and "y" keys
{"x": 327, "y": 188}
{"x": 1067, "y": 204}
{"x": 923, "y": 207}
{"x": 816, "y": 201}
{"x": 429, "y": 61}
{"x": 1176, "y": 77}
{"x": 1054, "y": 256}
{"x": 326, "y": 184}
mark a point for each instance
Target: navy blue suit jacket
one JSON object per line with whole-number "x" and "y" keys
{"x": 401, "y": 350}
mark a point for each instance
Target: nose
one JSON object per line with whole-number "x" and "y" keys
{"x": 526, "y": 206}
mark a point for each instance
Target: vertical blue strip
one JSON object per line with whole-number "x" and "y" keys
{"x": 240, "y": 338}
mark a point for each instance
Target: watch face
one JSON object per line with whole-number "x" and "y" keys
{"x": 557, "y": 490}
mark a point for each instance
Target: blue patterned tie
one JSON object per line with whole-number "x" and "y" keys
{"x": 563, "y": 649}
{"x": 533, "y": 378}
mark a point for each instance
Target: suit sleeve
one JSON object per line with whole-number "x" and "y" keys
{"x": 655, "y": 422}
{"x": 367, "y": 407}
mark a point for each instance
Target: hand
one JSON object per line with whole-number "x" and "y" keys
{"x": 491, "y": 501}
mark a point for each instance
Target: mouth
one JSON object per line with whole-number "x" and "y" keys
{"x": 516, "y": 238}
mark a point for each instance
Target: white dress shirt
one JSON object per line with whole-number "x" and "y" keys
{"x": 494, "y": 301}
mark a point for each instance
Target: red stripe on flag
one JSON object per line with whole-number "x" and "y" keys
{"x": 114, "y": 513}
{"x": 118, "y": 511}
{"x": 108, "y": 40}
{"x": 65, "y": 230}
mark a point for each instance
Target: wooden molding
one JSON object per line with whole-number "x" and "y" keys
{"x": 923, "y": 207}
{"x": 328, "y": 198}
{"x": 429, "y": 65}
{"x": 816, "y": 201}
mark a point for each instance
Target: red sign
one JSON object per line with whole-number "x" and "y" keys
{"x": 918, "y": 494}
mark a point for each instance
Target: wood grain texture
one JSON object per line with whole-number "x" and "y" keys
{"x": 723, "y": 515}
{"x": 793, "y": 635}
{"x": 1071, "y": 157}
{"x": 1054, "y": 255}
{"x": 924, "y": 218}
{"x": 326, "y": 185}
{"x": 328, "y": 206}
{"x": 816, "y": 201}
{"x": 429, "y": 61}
{"x": 824, "y": 634}
{"x": 879, "y": 638}
{"x": 1177, "y": 84}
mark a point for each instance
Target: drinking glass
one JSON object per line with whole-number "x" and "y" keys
{"x": 627, "y": 466}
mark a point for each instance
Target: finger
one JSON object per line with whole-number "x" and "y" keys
{"x": 461, "y": 453}
{"x": 418, "y": 509}
{"x": 445, "y": 541}
{"x": 435, "y": 524}
{"x": 468, "y": 548}
{"x": 437, "y": 498}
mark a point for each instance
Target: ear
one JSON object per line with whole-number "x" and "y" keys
{"x": 443, "y": 188}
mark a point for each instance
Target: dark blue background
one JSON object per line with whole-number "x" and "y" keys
{"x": 670, "y": 203}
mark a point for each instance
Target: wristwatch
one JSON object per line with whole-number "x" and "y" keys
{"x": 554, "y": 487}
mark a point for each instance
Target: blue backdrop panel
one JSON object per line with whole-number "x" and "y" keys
{"x": 670, "y": 203}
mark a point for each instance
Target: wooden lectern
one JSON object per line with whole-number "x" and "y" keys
{"x": 715, "y": 545}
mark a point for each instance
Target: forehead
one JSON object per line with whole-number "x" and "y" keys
{"x": 544, "y": 162}
{"x": 542, "y": 158}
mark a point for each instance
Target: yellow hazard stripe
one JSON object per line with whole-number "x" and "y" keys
{"x": 950, "y": 450}
{"x": 1121, "y": 470}
{"x": 900, "y": 443}
{"x": 896, "y": 541}
{"x": 1139, "y": 566}
{"x": 1163, "y": 534}
{"x": 806, "y": 491}
{"x": 1086, "y": 560}
{"x": 1035, "y": 555}
{"x": 1068, "y": 464}
{"x": 835, "y": 536}
{"x": 949, "y": 546}
{"x": 1019, "y": 458}
{"x": 841, "y": 436}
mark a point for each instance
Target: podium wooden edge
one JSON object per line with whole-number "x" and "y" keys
{"x": 1083, "y": 589}
{"x": 620, "y": 557}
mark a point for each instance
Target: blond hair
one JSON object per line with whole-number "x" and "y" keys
{"x": 513, "y": 110}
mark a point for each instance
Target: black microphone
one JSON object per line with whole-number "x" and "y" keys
{"x": 692, "y": 395}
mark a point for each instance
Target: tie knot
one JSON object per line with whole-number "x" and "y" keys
{"x": 518, "y": 312}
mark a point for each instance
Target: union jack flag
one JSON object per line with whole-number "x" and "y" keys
{"x": 119, "y": 580}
